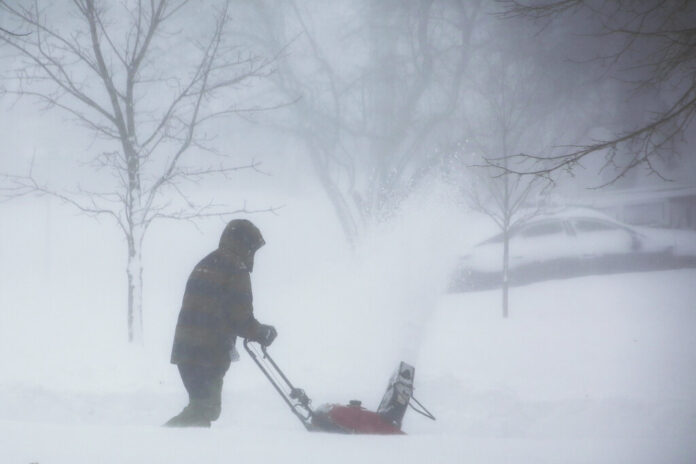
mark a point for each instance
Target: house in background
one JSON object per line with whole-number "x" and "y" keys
{"x": 660, "y": 206}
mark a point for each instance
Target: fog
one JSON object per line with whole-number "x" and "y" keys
{"x": 504, "y": 198}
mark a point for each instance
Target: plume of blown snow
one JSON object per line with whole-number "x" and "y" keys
{"x": 359, "y": 313}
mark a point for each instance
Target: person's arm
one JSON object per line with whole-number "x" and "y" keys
{"x": 241, "y": 313}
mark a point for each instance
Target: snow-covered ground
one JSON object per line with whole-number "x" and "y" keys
{"x": 597, "y": 369}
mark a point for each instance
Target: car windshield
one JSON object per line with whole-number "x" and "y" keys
{"x": 540, "y": 229}
{"x": 531, "y": 230}
{"x": 593, "y": 225}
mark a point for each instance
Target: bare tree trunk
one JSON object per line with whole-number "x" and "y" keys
{"x": 134, "y": 271}
{"x": 506, "y": 225}
{"x": 135, "y": 297}
{"x": 506, "y": 269}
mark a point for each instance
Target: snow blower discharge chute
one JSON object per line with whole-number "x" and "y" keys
{"x": 350, "y": 418}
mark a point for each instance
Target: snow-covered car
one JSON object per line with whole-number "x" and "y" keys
{"x": 574, "y": 243}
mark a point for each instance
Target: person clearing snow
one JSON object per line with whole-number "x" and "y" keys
{"x": 216, "y": 309}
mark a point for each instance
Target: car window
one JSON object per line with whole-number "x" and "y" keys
{"x": 545, "y": 228}
{"x": 589, "y": 225}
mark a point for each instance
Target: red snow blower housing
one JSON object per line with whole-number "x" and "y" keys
{"x": 351, "y": 418}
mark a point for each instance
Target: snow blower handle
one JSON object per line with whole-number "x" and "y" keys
{"x": 295, "y": 393}
{"x": 295, "y": 398}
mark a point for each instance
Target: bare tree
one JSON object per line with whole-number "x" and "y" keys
{"x": 507, "y": 198}
{"x": 648, "y": 44}
{"x": 372, "y": 115}
{"x": 419, "y": 54}
{"x": 507, "y": 110}
{"x": 316, "y": 116}
{"x": 119, "y": 72}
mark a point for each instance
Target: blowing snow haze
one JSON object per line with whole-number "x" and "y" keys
{"x": 501, "y": 194}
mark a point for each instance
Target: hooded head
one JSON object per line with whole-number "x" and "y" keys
{"x": 241, "y": 238}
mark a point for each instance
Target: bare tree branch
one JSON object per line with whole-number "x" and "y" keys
{"x": 658, "y": 51}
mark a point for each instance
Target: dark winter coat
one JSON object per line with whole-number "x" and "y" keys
{"x": 217, "y": 307}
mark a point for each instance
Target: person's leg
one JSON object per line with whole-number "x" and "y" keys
{"x": 204, "y": 386}
{"x": 194, "y": 381}
{"x": 211, "y": 403}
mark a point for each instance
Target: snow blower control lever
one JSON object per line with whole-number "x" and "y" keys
{"x": 351, "y": 418}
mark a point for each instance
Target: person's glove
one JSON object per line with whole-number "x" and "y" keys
{"x": 265, "y": 334}
{"x": 234, "y": 354}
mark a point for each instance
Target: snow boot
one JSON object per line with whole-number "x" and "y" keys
{"x": 193, "y": 415}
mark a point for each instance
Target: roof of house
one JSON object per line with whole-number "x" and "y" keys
{"x": 634, "y": 196}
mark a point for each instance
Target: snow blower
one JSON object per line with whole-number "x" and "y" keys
{"x": 351, "y": 418}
